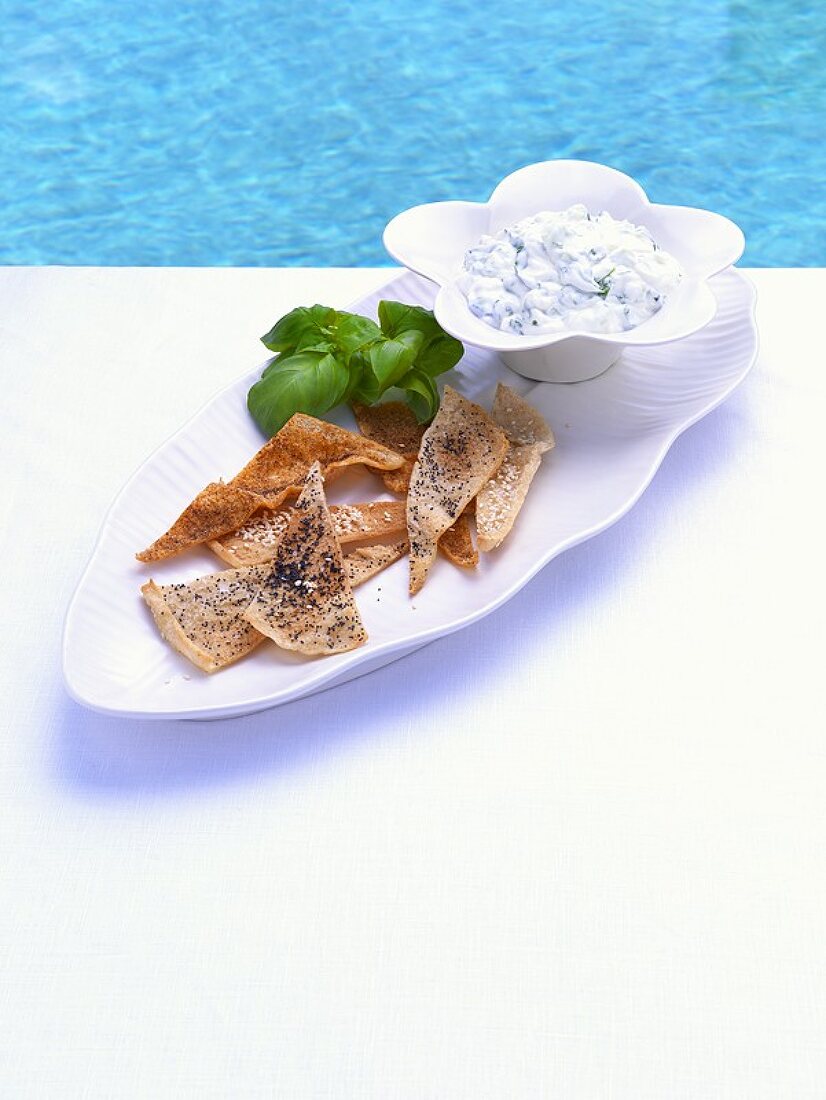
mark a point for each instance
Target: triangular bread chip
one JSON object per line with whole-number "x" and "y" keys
{"x": 306, "y": 602}
{"x": 202, "y": 619}
{"x": 366, "y": 561}
{"x": 217, "y": 508}
{"x": 499, "y": 502}
{"x": 257, "y": 540}
{"x": 461, "y": 450}
{"x": 378, "y": 519}
{"x": 520, "y": 422}
{"x": 457, "y": 544}
{"x": 303, "y": 440}
{"x": 275, "y": 473}
{"x": 394, "y": 425}
{"x": 398, "y": 481}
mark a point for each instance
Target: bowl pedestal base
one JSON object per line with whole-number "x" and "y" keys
{"x": 573, "y": 360}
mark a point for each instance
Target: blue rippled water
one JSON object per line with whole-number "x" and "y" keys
{"x": 265, "y": 133}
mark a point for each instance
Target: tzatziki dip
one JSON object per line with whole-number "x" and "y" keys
{"x": 567, "y": 269}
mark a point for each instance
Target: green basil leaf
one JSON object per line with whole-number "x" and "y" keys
{"x": 356, "y": 365}
{"x": 298, "y": 326}
{"x": 440, "y": 355}
{"x": 323, "y": 346}
{"x": 328, "y": 356}
{"x": 397, "y": 317}
{"x": 368, "y": 389}
{"x": 353, "y": 332}
{"x": 311, "y": 382}
{"x": 391, "y": 359}
{"x": 383, "y": 364}
{"x": 421, "y": 394}
{"x": 438, "y": 351}
{"x": 314, "y": 340}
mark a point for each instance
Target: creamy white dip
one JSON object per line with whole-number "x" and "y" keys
{"x": 567, "y": 269}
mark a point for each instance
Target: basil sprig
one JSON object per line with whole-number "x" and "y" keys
{"x": 326, "y": 356}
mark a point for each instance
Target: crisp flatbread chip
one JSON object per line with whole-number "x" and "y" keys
{"x": 303, "y": 440}
{"x": 375, "y": 520}
{"x": 217, "y": 508}
{"x": 394, "y": 425}
{"x": 364, "y": 562}
{"x": 257, "y": 540}
{"x": 520, "y": 422}
{"x": 273, "y": 475}
{"x": 499, "y": 502}
{"x": 306, "y": 601}
{"x": 461, "y": 450}
{"x": 457, "y": 544}
{"x": 202, "y": 619}
{"x": 398, "y": 481}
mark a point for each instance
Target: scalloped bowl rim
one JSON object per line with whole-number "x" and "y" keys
{"x": 498, "y": 341}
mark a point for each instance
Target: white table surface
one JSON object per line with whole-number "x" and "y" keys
{"x": 577, "y": 850}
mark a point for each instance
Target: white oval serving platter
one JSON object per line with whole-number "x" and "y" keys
{"x": 612, "y": 433}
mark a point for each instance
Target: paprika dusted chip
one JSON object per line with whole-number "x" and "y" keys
{"x": 273, "y": 475}
{"x": 218, "y": 508}
{"x": 393, "y": 425}
{"x": 457, "y": 544}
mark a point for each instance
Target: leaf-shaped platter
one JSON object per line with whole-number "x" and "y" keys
{"x": 612, "y": 433}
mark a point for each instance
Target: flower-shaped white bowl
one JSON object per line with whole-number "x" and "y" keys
{"x": 432, "y": 240}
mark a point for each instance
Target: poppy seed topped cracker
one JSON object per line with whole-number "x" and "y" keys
{"x": 460, "y": 451}
{"x": 306, "y": 600}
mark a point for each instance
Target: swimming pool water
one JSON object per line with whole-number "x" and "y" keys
{"x": 267, "y": 133}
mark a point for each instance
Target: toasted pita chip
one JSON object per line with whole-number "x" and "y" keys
{"x": 217, "y": 508}
{"x": 303, "y": 440}
{"x": 457, "y": 544}
{"x": 398, "y": 481}
{"x": 520, "y": 422}
{"x": 461, "y": 450}
{"x": 257, "y": 540}
{"x": 306, "y": 602}
{"x": 376, "y": 520}
{"x": 499, "y": 502}
{"x": 203, "y": 621}
{"x": 274, "y": 474}
{"x": 393, "y": 425}
{"x": 366, "y": 561}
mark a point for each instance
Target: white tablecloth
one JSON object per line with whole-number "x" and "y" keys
{"x": 577, "y": 850}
